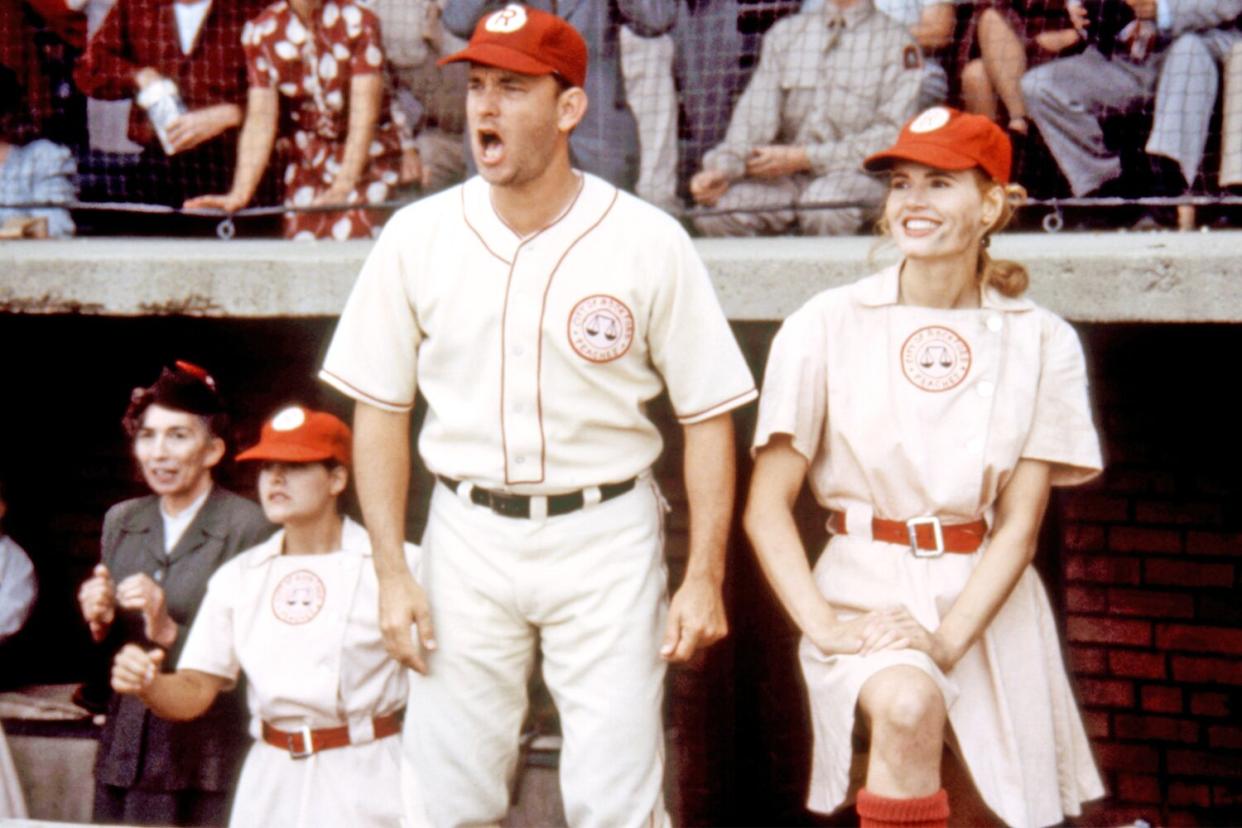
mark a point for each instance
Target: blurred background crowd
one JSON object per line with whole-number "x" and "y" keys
{"x": 743, "y": 117}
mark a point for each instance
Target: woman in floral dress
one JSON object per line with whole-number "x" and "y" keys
{"x": 320, "y": 65}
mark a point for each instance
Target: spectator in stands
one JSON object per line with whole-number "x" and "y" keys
{"x": 196, "y": 45}
{"x": 647, "y": 70}
{"x": 1121, "y": 70}
{"x": 38, "y": 172}
{"x": 606, "y": 141}
{"x": 1231, "y": 125}
{"x": 931, "y": 24}
{"x": 431, "y": 98}
{"x": 832, "y": 86}
{"x": 1003, "y": 39}
{"x": 39, "y": 40}
{"x": 18, "y": 587}
{"x": 157, "y": 553}
{"x": 324, "y": 61}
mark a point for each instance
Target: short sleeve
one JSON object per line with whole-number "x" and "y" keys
{"x": 374, "y": 352}
{"x": 795, "y": 386}
{"x": 691, "y": 343}
{"x": 366, "y": 48}
{"x": 1062, "y": 432}
{"x": 260, "y": 59}
{"x": 210, "y": 645}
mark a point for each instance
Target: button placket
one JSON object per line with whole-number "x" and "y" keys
{"x": 522, "y": 429}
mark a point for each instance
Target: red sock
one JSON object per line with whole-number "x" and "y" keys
{"x": 921, "y": 812}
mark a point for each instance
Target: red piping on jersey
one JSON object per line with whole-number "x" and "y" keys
{"x": 465, "y": 216}
{"x": 701, "y": 412}
{"x": 364, "y": 395}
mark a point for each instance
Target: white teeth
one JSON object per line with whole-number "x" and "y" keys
{"x": 921, "y": 224}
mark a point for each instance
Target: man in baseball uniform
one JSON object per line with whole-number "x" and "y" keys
{"x": 539, "y": 310}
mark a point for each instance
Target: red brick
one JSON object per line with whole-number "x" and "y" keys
{"x": 1108, "y": 812}
{"x": 1209, "y": 704}
{"x": 1181, "y": 514}
{"x": 1151, "y": 603}
{"x": 1186, "y": 573}
{"x": 1081, "y": 537}
{"x": 1155, "y": 729}
{"x": 1096, "y": 723}
{"x": 1096, "y": 508}
{"x": 1161, "y": 699}
{"x": 1199, "y": 639}
{"x": 1182, "y": 819}
{"x": 1135, "y": 788}
{"x": 1086, "y": 599}
{"x": 1207, "y": 670}
{"x": 1108, "y": 630}
{"x": 1136, "y": 539}
{"x": 1185, "y": 793}
{"x": 1088, "y": 661}
{"x": 1131, "y": 758}
{"x": 1103, "y": 570}
{"x": 1202, "y": 763}
{"x": 1131, "y": 664}
{"x": 1227, "y": 795}
{"x": 1132, "y": 481}
{"x": 1225, "y": 737}
{"x": 1214, "y": 543}
{"x": 1099, "y": 693}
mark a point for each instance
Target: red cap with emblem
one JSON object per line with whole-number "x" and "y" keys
{"x": 947, "y": 139}
{"x": 529, "y": 41}
{"x": 300, "y": 435}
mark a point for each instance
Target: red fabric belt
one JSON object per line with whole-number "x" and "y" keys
{"x": 919, "y": 534}
{"x": 303, "y": 742}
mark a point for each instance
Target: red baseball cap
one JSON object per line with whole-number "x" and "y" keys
{"x": 947, "y": 139}
{"x": 300, "y": 435}
{"x": 529, "y": 41}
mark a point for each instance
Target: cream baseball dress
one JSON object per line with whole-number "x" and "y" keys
{"x": 907, "y": 411}
{"x": 305, "y": 631}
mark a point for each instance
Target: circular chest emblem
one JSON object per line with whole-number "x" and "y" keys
{"x": 298, "y": 597}
{"x": 935, "y": 358}
{"x": 601, "y": 328}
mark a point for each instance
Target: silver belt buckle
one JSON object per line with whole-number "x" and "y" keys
{"x": 308, "y": 746}
{"x": 912, "y": 532}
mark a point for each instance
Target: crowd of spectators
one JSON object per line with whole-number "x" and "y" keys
{"x": 746, "y": 117}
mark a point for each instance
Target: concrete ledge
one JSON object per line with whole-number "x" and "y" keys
{"x": 1096, "y": 277}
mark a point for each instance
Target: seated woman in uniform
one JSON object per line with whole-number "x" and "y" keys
{"x": 298, "y": 614}
{"x": 930, "y": 407}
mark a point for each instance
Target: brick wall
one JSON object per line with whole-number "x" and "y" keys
{"x": 1152, "y": 554}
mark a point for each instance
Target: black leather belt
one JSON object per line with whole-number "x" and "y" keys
{"x": 518, "y": 506}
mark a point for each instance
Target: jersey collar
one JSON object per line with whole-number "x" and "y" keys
{"x": 882, "y": 289}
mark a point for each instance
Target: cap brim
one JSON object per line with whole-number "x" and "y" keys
{"x": 932, "y": 155}
{"x": 282, "y": 453}
{"x": 501, "y": 57}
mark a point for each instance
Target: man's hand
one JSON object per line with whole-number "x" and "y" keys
{"x": 707, "y": 186}
{"x": 1079, "y": 18}
{"x": 696, "y": 619}
{"x": 776, "y": 161}
{"x": 412, "y": 171}
{"x": 187, "y": 131}
{"x": 337, "y": 195}
{"x": 1056, "y": 40}
{"x": 134, "y": 669}
{"x": 97, "y": 599}
{"x": 1143, "y": 9}
{"x": 138, "y": 592}
{"x": 146, "y": 76}
{"x": 403, "y": 602}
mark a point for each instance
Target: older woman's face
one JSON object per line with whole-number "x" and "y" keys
{"x": 176, "y": 451}
{"x": 935, "y": 213}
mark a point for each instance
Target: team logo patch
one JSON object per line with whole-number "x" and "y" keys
{"x": 935, "y": 358}
{"x": 289, "y": 419}
{"x": 507, "y": 20}
{"x": 931, "y": 120}
{"x": 298, "y": 597}
{"x": 601, "y": 328}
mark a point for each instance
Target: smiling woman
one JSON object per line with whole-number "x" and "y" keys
{"x": 930, "y": 408}
{"x": 157, "y": 554}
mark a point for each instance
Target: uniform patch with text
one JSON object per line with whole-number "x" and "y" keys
{"x": 935, "y": 358}
{"x": 298, "y": 597}
{"x": 601, "y": 328}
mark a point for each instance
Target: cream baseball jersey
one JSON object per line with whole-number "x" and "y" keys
{"x": 537, "y": 356}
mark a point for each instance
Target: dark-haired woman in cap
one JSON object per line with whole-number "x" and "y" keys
{"x": 158, "y": 552}
{"x": 930, "y": 408}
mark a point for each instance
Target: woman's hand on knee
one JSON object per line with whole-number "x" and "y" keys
{"x": 895, "y": 629}
{"x": 841, "y": 637}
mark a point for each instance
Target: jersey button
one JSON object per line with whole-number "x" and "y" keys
{"x": 994, "y": 323}
{"x": 518, "y": 351}
{"x": 519, "y": 460}
{"x": 985, "y": 389}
